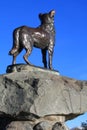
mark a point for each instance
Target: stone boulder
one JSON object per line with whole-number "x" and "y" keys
{"x": 35, "y": 94}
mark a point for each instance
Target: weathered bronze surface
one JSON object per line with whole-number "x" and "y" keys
{"x": 41, "y": 37}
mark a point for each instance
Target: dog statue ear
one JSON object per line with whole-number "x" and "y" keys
{"x": 52, "y": 12}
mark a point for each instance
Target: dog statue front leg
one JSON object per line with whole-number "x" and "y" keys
{"x": 50, "y": 52}
{"x": 14, "y": 60}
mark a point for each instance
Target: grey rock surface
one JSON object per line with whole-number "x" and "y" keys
{"x": 26, "y": 67}
{"x": 25, "y": 125}
{"x": 30, "y": 94}
{"x": 59, "y": 126}
{"x": 19, "y": 125}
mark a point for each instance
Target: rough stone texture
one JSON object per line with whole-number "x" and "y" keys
{"x": 39, "y": 95}
{"x": 19, "y": 125}
{"x": 25, "y": 125}
{"x": 59, "y": 126}
{"x": 43, "y": 126}
{"x": 26, "y": 67}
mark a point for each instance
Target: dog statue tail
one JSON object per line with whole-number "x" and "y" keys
{"x": 15, "y": 42}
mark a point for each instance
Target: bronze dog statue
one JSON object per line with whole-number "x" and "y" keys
{"x": 41, "y": 37}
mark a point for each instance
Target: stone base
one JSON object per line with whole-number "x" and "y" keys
{"x": 26, "y": 125}
{"x": 25, "y": 67}
{"x": 40, "y": 126}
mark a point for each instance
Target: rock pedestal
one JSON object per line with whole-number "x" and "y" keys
{"x": 38, "y": 99}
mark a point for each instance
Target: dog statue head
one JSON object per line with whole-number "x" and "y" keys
{"x": 47, "y": 18}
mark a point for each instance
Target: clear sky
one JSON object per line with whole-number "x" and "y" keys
{"x": 70, "y": 53}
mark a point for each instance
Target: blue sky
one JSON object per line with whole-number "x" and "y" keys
{"x": 70, "y": 53}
